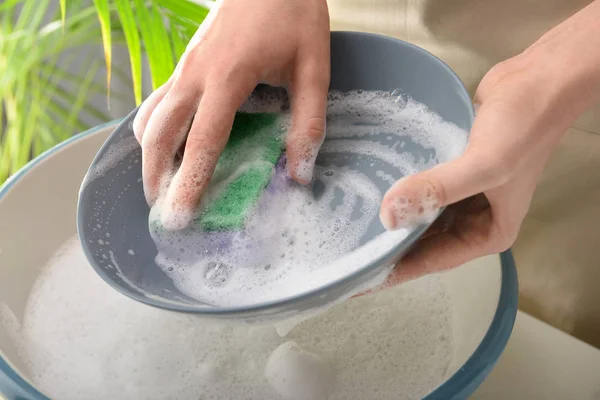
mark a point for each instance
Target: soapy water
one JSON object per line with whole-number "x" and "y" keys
{"x": 85, "y": 341}
{"x": 274, "y": 255}
{"x": 296, "y": 238}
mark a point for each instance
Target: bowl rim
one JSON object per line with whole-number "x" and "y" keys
{"x": 461, "y": 384}
{"x": 369, "y": 268}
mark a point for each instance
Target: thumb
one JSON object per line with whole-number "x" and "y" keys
{"x": 309, "y": 106}
{"x": 417, "y": 199}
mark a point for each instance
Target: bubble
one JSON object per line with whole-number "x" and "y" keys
{"x": 334, "y": 216}
{"x": 113, "y": 156}
{"x": 396, "y": 344}
{"x": 297, "y": 374}
{"x": 217, "y": 274}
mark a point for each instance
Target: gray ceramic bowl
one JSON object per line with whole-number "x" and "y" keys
{"x": 358, "y": 61}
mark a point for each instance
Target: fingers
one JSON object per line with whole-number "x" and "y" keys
{"x": 434, "y": 254}
{"x": 473, "y": 235}
{"x": 488, "y": 162}
{"x": 417, "y": 199}
{"x": 470, "y": 233}
{"x": 149, "y": 105}
{"x": 453, "y": 212}
{"x": 468, "y": 221}
{"x": 206, "y": 140}
{"x": 163, "y": 135}
{"x": 309, "y": 106}
{"x": 147, "y": 108}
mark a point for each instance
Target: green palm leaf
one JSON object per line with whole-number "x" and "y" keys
{"x": 45, "y": 97}
{"x": 132, "y": 37}
{"x": 104, "y": 18}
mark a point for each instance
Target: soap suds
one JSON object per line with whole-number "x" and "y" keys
{"x": 422, "y": 207}
{"x": 305, "y": 169}
{"x": 396, "y": 344}
{"x": 297, "y": 374}
{"x": 297, "y": 239}
{"x": 113, "y": 156}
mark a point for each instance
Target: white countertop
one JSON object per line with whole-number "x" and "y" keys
{"x": 542, "y": 363}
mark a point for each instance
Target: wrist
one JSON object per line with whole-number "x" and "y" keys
{"x": 566, "y": 60}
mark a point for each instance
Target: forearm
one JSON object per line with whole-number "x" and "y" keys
{"x": 568, "y": 56}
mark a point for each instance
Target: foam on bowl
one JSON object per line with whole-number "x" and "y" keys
{"x": 297, "y": 239}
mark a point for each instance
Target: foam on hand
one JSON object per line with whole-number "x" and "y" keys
{"x": 421, "y": 207}
{"x": 295, "y": 239}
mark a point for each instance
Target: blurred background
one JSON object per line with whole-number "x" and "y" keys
{"x": 59, "y": 58}
{"x": 68, "y": 65}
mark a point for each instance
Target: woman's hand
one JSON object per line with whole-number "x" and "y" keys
{"x": 240, "y": 44}
{"x": 525, "y": 105}
{"x": 488, "y": 190}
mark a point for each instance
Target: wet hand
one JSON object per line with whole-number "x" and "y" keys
{"x": 526, "y": 104}
{"x": 240, "y": 44}
{"x": 487, "y": 191}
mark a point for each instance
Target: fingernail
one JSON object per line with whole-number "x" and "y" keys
{"x": 138, "y": 127}
{"x": 150, "y": 195}
{"x": 174, "y": 215}
{"x": 306, "y": 169}
{"x": 407, "y": 212}
{"x": 308, "y": 150}
{"x": 387, "y": 218}
{"x": 398, "y": 213}
{"x": 156, "y": 189}
{"x": 173, "y": 219}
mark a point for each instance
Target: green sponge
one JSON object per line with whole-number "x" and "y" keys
{"x": 254, "y": 146}
{"x": 243, "y": 171}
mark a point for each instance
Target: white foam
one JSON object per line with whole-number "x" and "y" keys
{"x": 81, "y": 340}
{"x": 294, "y": 242}
{"x": 276, "y": 255}
{"x": 401, "y": 162}
{"x": 297, "y": 374}
{"x": 113, "y": 156}
{"x": 422, "y": 208}
{"x": 305, "y": 168}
